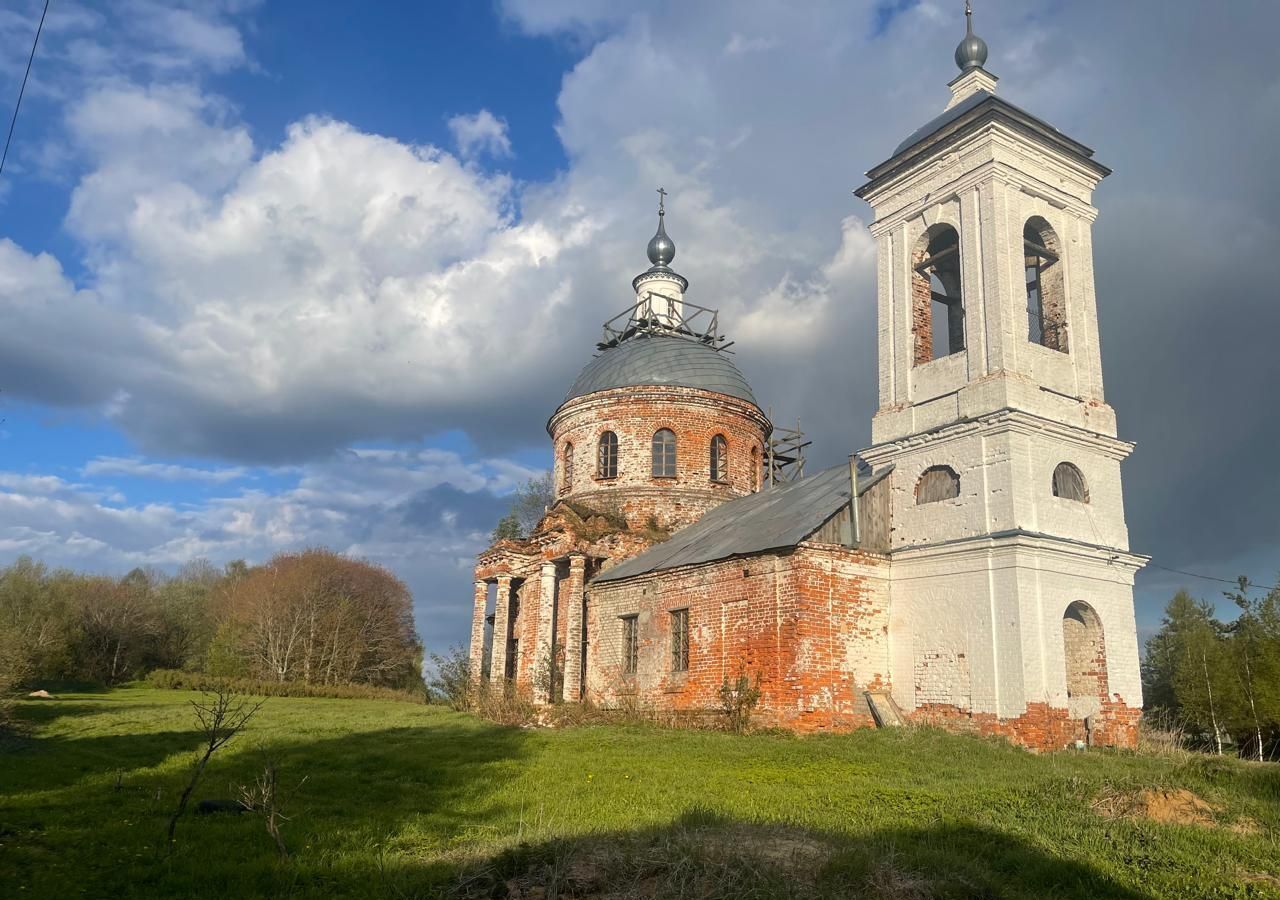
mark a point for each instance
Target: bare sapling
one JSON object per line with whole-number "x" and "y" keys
{"x": 221, "y": 715}
{"x": 265, "y": 797}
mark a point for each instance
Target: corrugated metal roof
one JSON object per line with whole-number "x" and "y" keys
{"x": 779, "y": 517}
{"x": 656, "y": 359}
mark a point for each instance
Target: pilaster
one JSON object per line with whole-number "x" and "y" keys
{"x": 546, "y": 636}
{"x": 477, "y": 630}
{"x": 573, "y": 628}
{"x": 501, "y": 631}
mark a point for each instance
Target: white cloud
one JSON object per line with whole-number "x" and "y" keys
{"x": 740, "y": 45}
{"x": 135, "y": 467}
{"x": 480, "y": 132}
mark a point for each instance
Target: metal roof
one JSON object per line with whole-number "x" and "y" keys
{"x": 658, "y": 359}
{"x": 776, "y": 518}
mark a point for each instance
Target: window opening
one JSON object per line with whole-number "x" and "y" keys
{"x": 719, "y": 458}
{"x": 936, "y": 484}
{"x": 664, "y": 453}
{"x": 680, "y": 640}
{"x": 937, "y": 298}
{"x": 607, "y": 466}
{"x": 1069, "y": 483}
{"x": 630, "y": 644}
{"x": 1046, "y": 304}
{"x": 567, "y": 470}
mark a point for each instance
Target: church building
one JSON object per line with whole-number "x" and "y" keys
{"x": 969, "y": 569}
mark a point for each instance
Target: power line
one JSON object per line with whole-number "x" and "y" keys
{"x": 22, "y": 90}
{"x": 1234, "y": 582}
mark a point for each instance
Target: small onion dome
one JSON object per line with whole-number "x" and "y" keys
{"x": 972, "y": 51}
{"x": 661, "y": 248}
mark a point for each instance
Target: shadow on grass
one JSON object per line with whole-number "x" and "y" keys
{"x": 49, "y": 763}
{"x": 708, "y": 856}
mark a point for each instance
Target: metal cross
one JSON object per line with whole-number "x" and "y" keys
{"x": 662, "y": 196}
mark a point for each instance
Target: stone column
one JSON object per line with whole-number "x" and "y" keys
{"x": 498, "y": 654}
{"x": 573, "y": 629}
{"x": 477, "y": 631}
{"x": 546, "y": 637}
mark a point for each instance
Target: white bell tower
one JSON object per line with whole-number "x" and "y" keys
{"x": 1008, "y": 519}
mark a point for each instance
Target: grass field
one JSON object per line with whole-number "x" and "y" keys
{"x": 412, "y": 801}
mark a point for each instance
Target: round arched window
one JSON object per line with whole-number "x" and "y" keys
{"x": 719, "y": 458}
{"x": 566, "y": 470}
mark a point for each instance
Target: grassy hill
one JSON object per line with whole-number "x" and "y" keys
{"x": 412, "y": 801}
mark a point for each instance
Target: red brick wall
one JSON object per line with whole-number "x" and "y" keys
{"x": 806, "y": 622}
{"x": 634, "y": 414}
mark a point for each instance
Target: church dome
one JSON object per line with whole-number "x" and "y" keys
{"x": 661, "y": 360}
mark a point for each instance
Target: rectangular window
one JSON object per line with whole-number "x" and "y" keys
{"x": 680, "y": 640}
{"x": 630, "y": 644}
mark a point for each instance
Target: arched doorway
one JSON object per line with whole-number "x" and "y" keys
{"x": 1085, "y": 655}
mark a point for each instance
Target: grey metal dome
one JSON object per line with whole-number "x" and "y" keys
{"x": 662, "y": 360}
{"x": 661, "y": 248}
{"x": 972, "y": 51}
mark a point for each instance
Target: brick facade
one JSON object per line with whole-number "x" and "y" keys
{"x": 635, "y": 414}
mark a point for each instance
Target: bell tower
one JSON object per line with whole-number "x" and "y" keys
{"x": 1006, "y": 492}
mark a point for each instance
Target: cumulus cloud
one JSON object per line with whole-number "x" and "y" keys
{"x": 480, "y": 133}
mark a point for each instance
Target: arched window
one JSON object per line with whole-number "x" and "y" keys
{"x": 1046, "y": 297}
{"x": 566, "y": 470}
{"x": 755, "y": 470}
{"x": 664, "y": 453}
{"x": 937, "y": 483}
{"x": 937, "y": 302}
{"x": 719, "y": 458}
{"x": 1069, "y": 483}
{"x": 1085, "y": 655}
{"x": 607, "y": 463}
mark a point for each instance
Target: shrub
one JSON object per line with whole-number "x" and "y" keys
{"x": 738, "y": 700}
{"x": 451, "y": 679}
{"x": 175, "y": 680}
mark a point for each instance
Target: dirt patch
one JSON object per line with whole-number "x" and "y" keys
{"x": 1177, "y": 807}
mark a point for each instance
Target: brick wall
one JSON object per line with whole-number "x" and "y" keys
{"x": 634, "y": 414}
{"x": 810, "y": 623}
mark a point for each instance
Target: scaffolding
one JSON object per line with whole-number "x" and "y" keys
{"x": 784, "y": 454}
{"x": 655, "y": 313}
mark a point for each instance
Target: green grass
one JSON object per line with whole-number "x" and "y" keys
{"x": 402, "y": 800}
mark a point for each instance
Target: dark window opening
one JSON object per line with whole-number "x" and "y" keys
{"x": 719, "y": 458}
{"x": 936, "y": 297}
{"x": 936, "y": 484}
{"x": 566, "y": 483}
{"x": 680, "y": 640}
{"x": 630, "y": 644}
{"x": 1069, "y": 483}
{"x": 664, "y": 453}
{"x": 1046, "y": 302}
{"x": 607, "y": 465}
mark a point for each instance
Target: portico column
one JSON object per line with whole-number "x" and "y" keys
{"x": 546, "y": 613}
{"x": 498, "y": 654}
{"x": 573, "y": 629}
{"x": 477, "y": 631}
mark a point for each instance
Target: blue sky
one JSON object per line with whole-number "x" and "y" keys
{"x": 282, "y": 274}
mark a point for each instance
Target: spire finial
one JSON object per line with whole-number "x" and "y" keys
{"x": 972, "y": 52}
{"x": 661, "y": 248}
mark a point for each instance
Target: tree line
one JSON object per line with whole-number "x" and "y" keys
{"x": 315, "y": 617}
{"x": 1219, "y": 680}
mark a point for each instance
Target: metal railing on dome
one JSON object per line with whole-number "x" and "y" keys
{"x": 656, "y": 313}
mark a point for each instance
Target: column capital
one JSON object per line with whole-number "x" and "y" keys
{"x": 548, "y": 567}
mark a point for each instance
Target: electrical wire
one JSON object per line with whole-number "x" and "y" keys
{"x": 22, "y": 90}
{"x": 1234, "y": 582}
